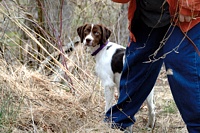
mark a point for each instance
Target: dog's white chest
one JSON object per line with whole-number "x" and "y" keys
{"x": 103, "y": 67}
{"x": 103, "y": 64}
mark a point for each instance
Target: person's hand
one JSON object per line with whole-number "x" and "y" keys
{"x": 183, "y": 18}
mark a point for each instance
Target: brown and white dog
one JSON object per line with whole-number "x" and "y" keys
{"x": 109, "y": 59}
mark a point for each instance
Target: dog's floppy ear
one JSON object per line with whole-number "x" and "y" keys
{"x": 105, "y": 34}
{"x": 80, "y": 31}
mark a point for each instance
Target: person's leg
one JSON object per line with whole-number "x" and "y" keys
{"x": 183, "y": 69}
{"x": 138, "y": 78}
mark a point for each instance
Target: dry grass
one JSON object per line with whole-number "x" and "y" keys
{"x": 31, "y": 102}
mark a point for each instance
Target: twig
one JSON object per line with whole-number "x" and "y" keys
{"x": 54, "y": 54}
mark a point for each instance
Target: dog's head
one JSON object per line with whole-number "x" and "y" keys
{"x": 93, "y": 34}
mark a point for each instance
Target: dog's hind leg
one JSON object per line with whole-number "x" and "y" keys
{"x": 151, "y": 108}
{"x": 109, "y": 94}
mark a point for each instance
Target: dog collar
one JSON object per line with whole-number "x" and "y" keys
{"x": 99, "y": 49}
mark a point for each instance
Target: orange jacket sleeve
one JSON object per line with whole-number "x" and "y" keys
{"x": 189, "y": 7}
{"x": 121, "y": 1}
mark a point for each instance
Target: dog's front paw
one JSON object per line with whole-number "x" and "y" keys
{"x": 128, "y": 129}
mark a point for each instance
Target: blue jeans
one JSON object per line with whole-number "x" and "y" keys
{"x": 139, "y": 76}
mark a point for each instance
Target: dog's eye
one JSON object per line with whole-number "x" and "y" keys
{"x": 86, "y": 31}
{"x": 96, "y": 33}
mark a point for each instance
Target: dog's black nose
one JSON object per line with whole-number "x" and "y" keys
{"x": 88, "y": 40}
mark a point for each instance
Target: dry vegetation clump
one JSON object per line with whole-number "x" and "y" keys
{"x": 30, "y": 102}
